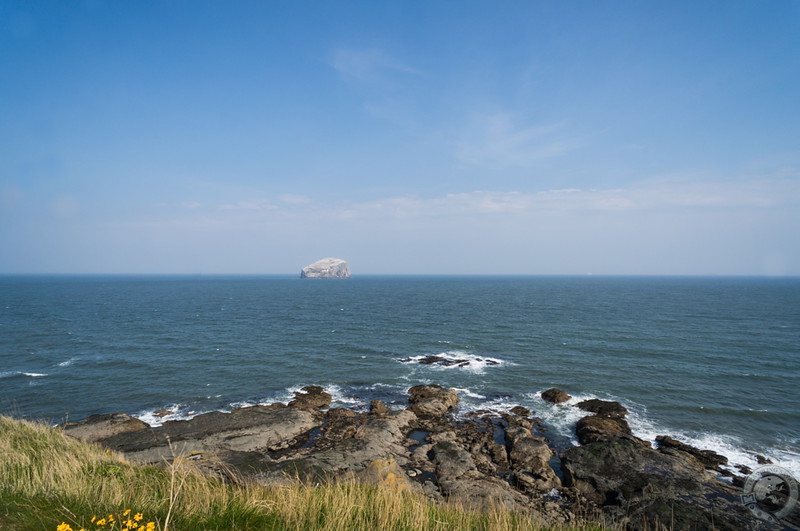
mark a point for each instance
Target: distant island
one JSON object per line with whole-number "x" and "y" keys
{"x": 327, "y": 268}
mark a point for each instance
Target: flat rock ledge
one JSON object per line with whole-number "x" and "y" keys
{"x": 482, "y": 459}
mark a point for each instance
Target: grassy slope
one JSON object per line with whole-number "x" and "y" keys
{"x": 47, "y": 478}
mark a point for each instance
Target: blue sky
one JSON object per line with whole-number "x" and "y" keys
{"x": 620, "y": 137}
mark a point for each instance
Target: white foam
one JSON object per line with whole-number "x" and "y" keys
{"x": 67, "y": 363}
{"x": 377, "y": 385}
{"x": 339, "y": 398}
{"x": 563, "y": 417}
{"x": 456, "y": 359}
{"x": 731, "y": 447}
{"x": 468, "y": 393}
{"x": 175, "y": 412}
{"x": 497, "y": 405}
{"x": 9, "y": 374}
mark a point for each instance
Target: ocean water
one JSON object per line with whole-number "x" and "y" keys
{"x": 714, "y": 362}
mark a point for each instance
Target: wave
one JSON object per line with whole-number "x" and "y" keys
{"x": 9, "y": 374}
{"x": 67, "y": 363}
{"x": 455, "y": 359}
{"x": 158, "y": 416}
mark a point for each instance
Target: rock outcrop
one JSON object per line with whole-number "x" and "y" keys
{"x": 327, "y": 268}
{"x": 98, "y": 427}
{"x": 483, "y": 459}
{"x": 603, "y": 408}
{"x": 432, "y": 400}
{"x": 642, "y": 488}
{"x": 555, "y": 396}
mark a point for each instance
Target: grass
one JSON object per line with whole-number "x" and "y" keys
{"x": 47, "y": 479}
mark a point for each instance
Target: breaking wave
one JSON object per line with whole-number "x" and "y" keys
{"x": 455, "y": 359}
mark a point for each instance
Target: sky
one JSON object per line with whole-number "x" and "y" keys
{"x": 433, "y": 137}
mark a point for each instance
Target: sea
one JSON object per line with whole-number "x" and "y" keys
{"x": 711, "y": 361}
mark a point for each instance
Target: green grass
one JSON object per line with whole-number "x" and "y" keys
{"x": 47, "y": 478}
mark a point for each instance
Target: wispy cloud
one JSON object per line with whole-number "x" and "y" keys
{"x": 367, "y": 65}
{"x": 661, "y": 195}
{"x": 669, "y": 197}
{"x": 294, "y": 199}
{"x": 500, "y": 140}
{"x": 254, "y": 203}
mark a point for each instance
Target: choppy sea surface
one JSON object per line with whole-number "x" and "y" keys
{"x": 714, "y": 362}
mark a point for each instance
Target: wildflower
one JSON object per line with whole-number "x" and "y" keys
{"x": 64, "y": 527}
{"x": 94, "y": 518}
{"x": 102, "y": 521}
{"x": 138, "y": 516}
{"x": 151, "y": 526}
{"x": 127, "y": 512}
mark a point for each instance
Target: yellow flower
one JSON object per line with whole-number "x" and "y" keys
{"x": 138, "y": 516}
{"x": 94, "y": 518}
{"x": 64, "y": 527}
{"x": 127, "y": 512}
{"x": 151, "y": 526}
{"x": 102, "y": 521}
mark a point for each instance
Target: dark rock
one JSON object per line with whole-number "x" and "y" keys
{"x": 520, "y": 411}
{"x": 311, "y": 397}
{"x": 555, "y": 396}
{"x": 452, "y": 460}
{"x": 460, "y": 481}
{"x": 432, "y": 400}
{"x": 709, "y": 458}
{"x": 377, "y": 407}
{"x": 99, "y": 427}
{"x": 593, "y": 428}
{"x": 603, "y": 408}
{"x": 763, "y": 460}
{"x": 377, "y": 439}
{"x": 530, "y": 457}
{"x": 644, "y": 488}
{"x": 444, "y": 361}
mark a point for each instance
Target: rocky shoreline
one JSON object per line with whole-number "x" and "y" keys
{"x": 484, "y": 458}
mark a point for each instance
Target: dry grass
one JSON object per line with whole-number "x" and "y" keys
{"x": 47, "y": 478}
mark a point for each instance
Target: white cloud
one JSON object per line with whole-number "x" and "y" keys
{"x": 294, "y": 199}
{"x": 664, "y": 226}
{"x": 499, "y": 140}
{"x": 255, "y": 203}
{"x": 663, "y": 195}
